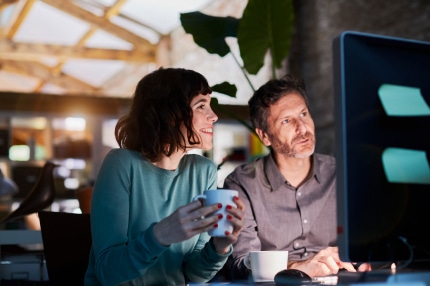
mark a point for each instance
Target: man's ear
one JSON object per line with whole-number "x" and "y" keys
{"x": 263, "y": 137}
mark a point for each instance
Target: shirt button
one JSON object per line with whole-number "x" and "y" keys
{"x": 305, "y": 254}
{"x": 296, "y": 244}
{"x": 305, "y": 221}
{"x": 299, "y": 194}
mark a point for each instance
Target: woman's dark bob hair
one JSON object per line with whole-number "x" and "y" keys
{"x": 160, "y": 108}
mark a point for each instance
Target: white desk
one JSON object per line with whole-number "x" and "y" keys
{"x": 21, "y": 236}
{"x": 28, "y": 271}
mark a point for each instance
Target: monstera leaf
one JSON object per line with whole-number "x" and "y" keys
{"x": 210, "y": 32}
{"x": 225, "y": 88}
{"x": 265, "y": 25}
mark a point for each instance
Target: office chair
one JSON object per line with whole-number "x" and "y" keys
{"x": 66, "y": 243}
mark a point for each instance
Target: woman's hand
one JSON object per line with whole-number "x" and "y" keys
{"x": 235, "y": 215}
{"x": 186, "y": 222}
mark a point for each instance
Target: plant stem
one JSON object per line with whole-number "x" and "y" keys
{"x": 242, "y": 68}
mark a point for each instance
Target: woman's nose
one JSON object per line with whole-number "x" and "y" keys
{"x": 212, "y": 116}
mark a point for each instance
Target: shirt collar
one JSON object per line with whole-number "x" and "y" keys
{"x": 277, "y": 180}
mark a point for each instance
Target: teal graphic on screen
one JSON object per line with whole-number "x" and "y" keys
{"x": 404, "y": 165}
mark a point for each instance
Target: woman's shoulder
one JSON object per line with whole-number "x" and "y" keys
{"x": 199, "y": 160}
{"x": 121, "y": 154}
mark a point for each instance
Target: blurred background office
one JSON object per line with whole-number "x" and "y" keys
{"x": 68, "y": 69}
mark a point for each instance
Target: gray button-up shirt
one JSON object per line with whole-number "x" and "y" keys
{"x": 279, "y": 216}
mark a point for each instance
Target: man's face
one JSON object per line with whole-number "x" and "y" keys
{"x": 291, "y": 130}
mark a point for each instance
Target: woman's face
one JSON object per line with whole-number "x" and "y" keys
{"x": 203, "y": 120}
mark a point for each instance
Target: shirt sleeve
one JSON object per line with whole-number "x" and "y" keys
{"x": 248, "y": 239}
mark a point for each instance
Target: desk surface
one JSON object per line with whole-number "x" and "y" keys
{"x": 21, "y": 236}
{"x": 416, "y": 278}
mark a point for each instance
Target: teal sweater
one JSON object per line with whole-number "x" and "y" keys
{"x": 130, "y": 196}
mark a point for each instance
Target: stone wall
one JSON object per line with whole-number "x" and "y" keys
{"x": 318, "y": 22}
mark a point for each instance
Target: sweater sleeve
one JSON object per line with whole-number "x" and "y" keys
{"x": 113, "y": 249}
{"x": 202, "y": 265}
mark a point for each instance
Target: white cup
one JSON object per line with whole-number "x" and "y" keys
{"x": 225, "y": 197}
{"x": 265, "y": 264}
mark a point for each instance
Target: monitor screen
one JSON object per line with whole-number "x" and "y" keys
{"x": 382, "y": 136}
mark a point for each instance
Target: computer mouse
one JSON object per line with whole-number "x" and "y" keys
{"x": 292, "y": 277}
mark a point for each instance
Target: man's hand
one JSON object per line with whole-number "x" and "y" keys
{"x": 324, "y": 263}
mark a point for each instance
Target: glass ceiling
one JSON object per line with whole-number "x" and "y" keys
{"x": 101, "y": 47}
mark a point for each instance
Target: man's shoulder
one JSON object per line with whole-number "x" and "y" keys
{"x": 324, "y": 164}
{"x": 248, "y": 171}
{"x": 325, "y": 159}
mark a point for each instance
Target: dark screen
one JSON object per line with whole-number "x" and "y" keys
{"x": 382, "y": 147}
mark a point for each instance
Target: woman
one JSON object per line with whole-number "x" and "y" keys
{"x": 146, "y": 228}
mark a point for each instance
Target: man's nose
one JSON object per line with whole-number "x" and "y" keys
{"x": 301, "y": 127}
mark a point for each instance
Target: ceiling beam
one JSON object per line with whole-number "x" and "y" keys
{"x": 103, "y": 24}
{"x": 42, "y": 72}
{"x": 32, "y": 51}
{"x": 6, "y": 3}
{"x": 40, "y": 104}
{"x": 65, "y": 105}
{"x": 24, "y": 10}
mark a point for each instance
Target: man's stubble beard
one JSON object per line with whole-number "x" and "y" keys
{"x": 286, "y": 150}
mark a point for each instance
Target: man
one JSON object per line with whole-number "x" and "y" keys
{"x": 290, "y": 194}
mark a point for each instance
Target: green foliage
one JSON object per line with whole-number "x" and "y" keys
{"x": 210, "y": 32}
{"x": 225, "y": 88}
{"x": 266, "y": 26}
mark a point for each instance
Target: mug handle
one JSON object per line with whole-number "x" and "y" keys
{"x": 247, "y": 261}
{"x": 199, "y": 197}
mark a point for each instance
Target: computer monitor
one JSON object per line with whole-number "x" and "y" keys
{"x": 382, "y": 138}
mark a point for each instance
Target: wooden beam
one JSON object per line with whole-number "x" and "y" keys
{"x": 6, "y": 3}
{"x": 65, "y": 105}
{"x": 114, "y": 9}
{"x": 69, "y": 105}
{"x": 25, "y": 9}
{"x": 103, "y": 24}
{"x": 42, "y": 72}
{"x": 32, "y": 51}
